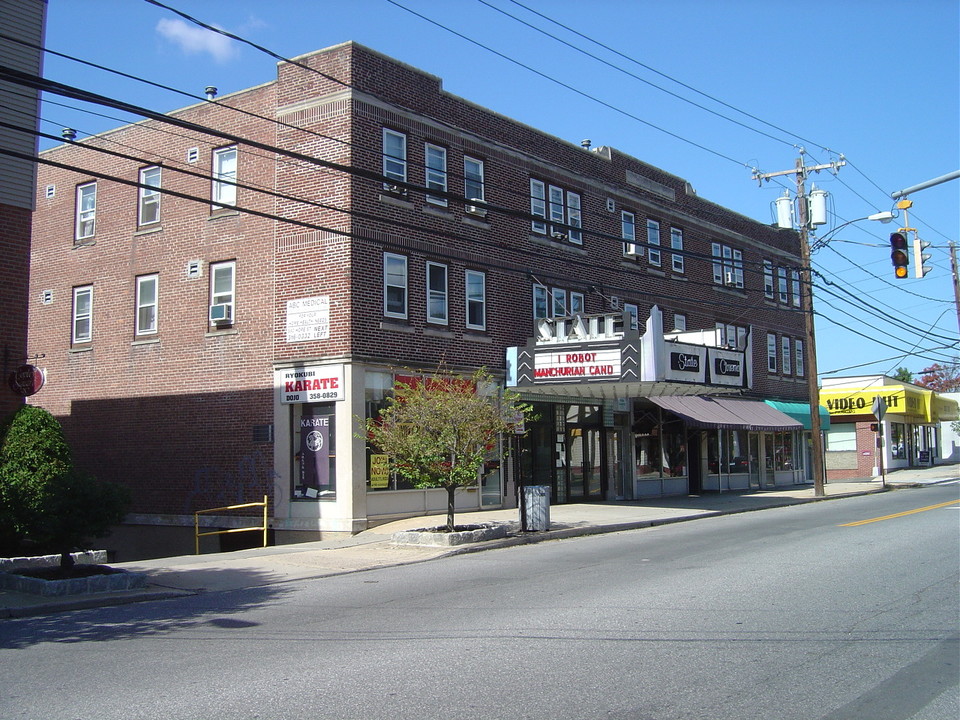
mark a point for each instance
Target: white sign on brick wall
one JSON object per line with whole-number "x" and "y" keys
{"x": 308, "y": 319}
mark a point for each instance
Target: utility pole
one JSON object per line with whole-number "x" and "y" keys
{"x": 800, "y": 172}
{"x": 956, "y": 279}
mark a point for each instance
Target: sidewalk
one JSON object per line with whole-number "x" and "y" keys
{"x": 192, "y": 574}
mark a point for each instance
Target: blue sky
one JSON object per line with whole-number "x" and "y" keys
{"x": 877, "y": 81}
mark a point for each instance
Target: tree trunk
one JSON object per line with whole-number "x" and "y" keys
{"x": 451, "y": 489}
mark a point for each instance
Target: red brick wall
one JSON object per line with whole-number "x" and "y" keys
{"x": 174, "y": 418}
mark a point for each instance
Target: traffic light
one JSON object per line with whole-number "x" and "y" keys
{"x": 899, "y": 254}
{"x": 919, "y": 270}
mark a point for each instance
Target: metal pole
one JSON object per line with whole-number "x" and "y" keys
{"x": 956, "y": 279}
{"x": 806, "y": 296}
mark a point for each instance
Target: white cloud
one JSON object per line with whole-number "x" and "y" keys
{"x": 193, "y": 40}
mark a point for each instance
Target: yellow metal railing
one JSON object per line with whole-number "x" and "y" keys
{"x": 263, "y": 528}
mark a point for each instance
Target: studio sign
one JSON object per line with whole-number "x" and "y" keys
{"x": 684, "y": 362}
{"x": 725, "y": 366}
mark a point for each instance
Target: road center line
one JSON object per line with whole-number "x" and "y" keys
{"x": 900, "y": 514}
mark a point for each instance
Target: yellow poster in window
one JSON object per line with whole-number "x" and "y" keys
{"x": 379, "y": 471}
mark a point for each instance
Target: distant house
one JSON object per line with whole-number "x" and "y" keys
{"x": 220, "y": 307}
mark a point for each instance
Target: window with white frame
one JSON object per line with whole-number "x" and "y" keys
{"x": 634, "y": 312}
{"x": 223, "y": 292}
{"x": 436, "y": 172}
{"x": 679, "y": 322}
{"x": 148, "y": 209}
{"x": 436, "y": 293}
{"x": 795, "y": 287}
{"x": 556, "y": 302}
{"x": 82, "y": 314}
{"x": 86, "y": 222}
{"x": 786, "y": 357}
{"x": 394, "y": 285}
{"x": 475, "y": 284}
{"x": 782, "y": 285}
{"x": 473, "y": 183}
{"x": 561, "y": 207}
{"x": 798, "y": 365}
{"x": 146, "y": 321}
{"x": 653, "y": 242}
{"x": 628, "y": 231}
{"x": 676, "y": 243}
{"x": 771, "y": 352}
{"x": 225, "y": 176}
{"x": 541, "y": 309}
{"x": 731, "y": 336}
{"x": 727, "y": 265}
{"x": 394, "y": 157}
{"x": 768, "y": 279}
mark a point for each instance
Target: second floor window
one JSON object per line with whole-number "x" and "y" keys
{"x": 394, "y": 156}
{"x": 798, "y": 352}
{"x": 225, "y": 176}
{"x": 148, "y": 209}
{"x": 82, "y": 314}
{"x": 561, "y": 207}
{"x": 676, "y": 243}
{"x": 782, "y": 285}
{"x": 653, "y": 242}
{"x": 768, "y": 279}
{"x": 146, "y": 323}
{"x": 795, "y": 287}
{"x": 771, "y": 353}
{"x": 555, "y": 302}
{"x": 476, "y": 288}
{"x": 785, "y": 355}
{"x": 223, "y": 293}
{"x": 86, "y": 223}
{"x": 436, "y": 293}
{"x": 394, "y": 286}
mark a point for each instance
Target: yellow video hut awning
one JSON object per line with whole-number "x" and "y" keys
{"x": 904, "y": 404}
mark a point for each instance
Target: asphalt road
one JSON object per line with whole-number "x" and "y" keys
{"x": 790, "y": 613}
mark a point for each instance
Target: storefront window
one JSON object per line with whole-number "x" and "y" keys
{"x": 784, "y": 451}
{"x": 898, "y": 441}
{"x": 648, "y": 455}
{"x": 378, "y": 386}
{"x": 314, "y": 448}
{"x": 674, "y": 449}
{"x": 727, "y": 452}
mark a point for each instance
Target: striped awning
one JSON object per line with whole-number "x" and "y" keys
{"x": 733, "y": 414}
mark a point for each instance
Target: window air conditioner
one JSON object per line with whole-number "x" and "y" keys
{"x": 395, "y": 189}
{"x": 728, "y": 279}
{"x": 475, "y": 209}
{"x": 633, "y": 250}
{"x": 558, "y": 235}
{"x": 221, "y": 313}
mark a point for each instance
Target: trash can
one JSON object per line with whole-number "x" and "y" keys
{"x": 536, "y": 499}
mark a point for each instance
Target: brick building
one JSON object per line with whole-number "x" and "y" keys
{"x": 293, "y": 247}
{"x": 22, "y": 24}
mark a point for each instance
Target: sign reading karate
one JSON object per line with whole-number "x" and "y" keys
{"x": 310, "y": 383}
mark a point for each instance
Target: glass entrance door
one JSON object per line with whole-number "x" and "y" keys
{"x": 585, "y": 451}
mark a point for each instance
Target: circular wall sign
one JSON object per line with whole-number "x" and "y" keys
{"x": 26, "y": 380}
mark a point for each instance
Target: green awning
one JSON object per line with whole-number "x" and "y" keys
{"x": 801, "y": 412}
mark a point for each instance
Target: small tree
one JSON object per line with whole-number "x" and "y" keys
{"x": 437, "y": 431}
{"x": 903, "y": 375}
{"x": 44, "y": 501}
{"x": 33, "y": 452}
{"x": 941, "y": 378}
